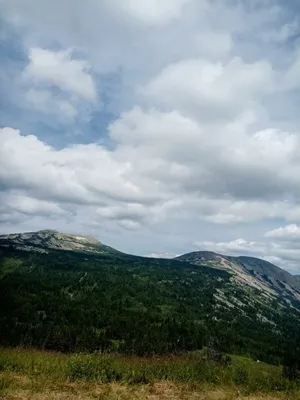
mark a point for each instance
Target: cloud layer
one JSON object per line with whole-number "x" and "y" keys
{"x": 188, "y": 130}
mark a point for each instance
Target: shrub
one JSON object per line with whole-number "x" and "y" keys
{"x": 290, "y": 372}
{"x": 226, "y": 360}
{"x": 279, "y": 383}
{"x": 93, "y": 367}
{"x": 82, "y": 367}
{"x": 240, "y": 374}
{"x": 135, "y": 377}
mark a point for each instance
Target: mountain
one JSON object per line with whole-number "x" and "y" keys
{"x": 249, "y": 271}
{"x": 45, "y": 240}
{"x": 72, "y": 293}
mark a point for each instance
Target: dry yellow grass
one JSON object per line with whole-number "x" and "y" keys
{"x": 20, "y": 387}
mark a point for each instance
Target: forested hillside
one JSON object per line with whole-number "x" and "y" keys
{"x": 80, "y": 301}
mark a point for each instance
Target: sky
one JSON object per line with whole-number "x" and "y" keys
{"x": 157, "y": 126}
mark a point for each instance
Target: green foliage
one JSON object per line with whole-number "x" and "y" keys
{"x": 91, "y": 367}
{"x": 33, "y": 362}
{"x": 240, "y": 374}
{"x": 82, "y": 368}
{"x": 75, "y": 302}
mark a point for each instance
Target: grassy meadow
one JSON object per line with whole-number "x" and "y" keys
{"x": 33, "y": 374}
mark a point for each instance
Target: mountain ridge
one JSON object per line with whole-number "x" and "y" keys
{"x": 46, "y": 239}
{"x": 72, "y": 293}
{"x": 250, "y": 271}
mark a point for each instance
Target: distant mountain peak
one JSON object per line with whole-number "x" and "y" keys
{"x": 250, "y": 271}
{"x": 47, "y": 239}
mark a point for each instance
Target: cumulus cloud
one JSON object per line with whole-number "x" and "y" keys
{"x": 58, "y": 84}
{"x": 232, "y": 159}
{"x": 31, "y": 206}
{"x": 212, "y": 90}
{"x": 79, "y": 174}
{"x": 17, "y": 207}
{"x": 286, "y": 233}
{"x": 58, "y": 68}
{"x": 135, "y": 182}
{"x": 238, "y": 246}
{"x": 116, "y": 34}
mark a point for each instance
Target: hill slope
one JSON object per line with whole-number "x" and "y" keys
{"x": 57, "y": 295}
{"x": 249, "y": 271}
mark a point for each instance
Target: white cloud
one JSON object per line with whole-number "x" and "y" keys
{"x": 58, "y": 68}
{"x": 232, "y": 159}
{"x": 18, "y": 207}
{"x": 135, "y": 182}
{"x": 32, "y": 206}
{"x": 56, "y": 84}
{"x": 210, "y": 90}
{"x": 81, "y": 174}
{"x": 138, "y": 36}
{"x": 287, "y": 233}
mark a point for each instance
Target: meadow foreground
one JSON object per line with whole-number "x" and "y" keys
{"x": 37, "y": 375}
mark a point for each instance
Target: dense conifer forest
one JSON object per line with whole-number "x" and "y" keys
{"x": 77, "y": 302}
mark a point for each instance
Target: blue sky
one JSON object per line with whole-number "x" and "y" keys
{"x": 159, "y": 127}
